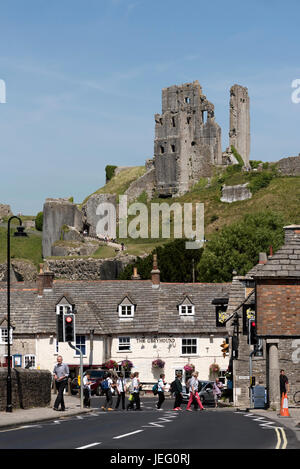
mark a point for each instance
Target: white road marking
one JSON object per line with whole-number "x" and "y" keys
{"x": 126, "y": 434}
{"x": 152, "y": 424}
{"x": 89, "y": 446}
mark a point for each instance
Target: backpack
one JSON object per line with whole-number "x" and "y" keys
{"x": 155, "y": 389}
{"x": 104, "y": 385}
{"x": 173, "y": 387}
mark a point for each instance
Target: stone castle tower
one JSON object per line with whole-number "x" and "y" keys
{"x": 187, "y": 139}
{"x": 239, "y": 134}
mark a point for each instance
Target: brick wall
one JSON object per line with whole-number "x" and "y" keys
{"x": 278, "y": 307}
{"x": 30, "y": 388}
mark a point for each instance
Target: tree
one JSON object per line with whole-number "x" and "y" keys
{"x": 237, "y": 246}
{"x": 175, "y": 263}
{"x": 39, "y": 221}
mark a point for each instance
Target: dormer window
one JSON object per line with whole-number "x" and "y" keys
{"x": 126, "y": 308}
{"x": 186, "y": 308}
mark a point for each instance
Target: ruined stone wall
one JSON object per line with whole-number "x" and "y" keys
{"x": 30, "y": 388}
{"x": 239, "y": 133}
{"x": 89, "y": 269}
{"x": 187, "y": 139}
{"x": 143, "y": 184}
{"x": 289, "y": 166}
{"x": 235, "y": 193}
{"x": 89, "y": 210}
{"x": 56, "y": 213}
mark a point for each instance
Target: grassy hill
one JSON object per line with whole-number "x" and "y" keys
{"x": 270, "y": 192}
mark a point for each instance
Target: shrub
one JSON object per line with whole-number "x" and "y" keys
{"x": 39, "y": 221}
{"x": 109, "y": 171}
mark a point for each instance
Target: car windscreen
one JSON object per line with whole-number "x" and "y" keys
{"x": 97, "y": 374}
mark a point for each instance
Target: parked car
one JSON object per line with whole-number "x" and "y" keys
{"x": 205, "y": 393}
{"x": 96, "y": 377}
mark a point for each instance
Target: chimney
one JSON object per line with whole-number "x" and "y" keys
{"x": 155, "y": 273}
{"x": 262, "y": 258}
{"x": 135, "y": 275}
{"x": 291, "y": 233}
{"x": 44, "y": 281}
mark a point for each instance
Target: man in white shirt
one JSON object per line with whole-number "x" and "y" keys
{"x": 108, "y": 393}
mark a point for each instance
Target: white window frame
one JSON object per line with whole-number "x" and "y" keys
{"x": 4, "y": 336}
{"x": 126, "y": 343}
{"x": 183, "y": 310}
{"x": 27, "y": 358}
{"x": 77, "y": 344}
{"x": 129, "y": 313}
{"x": 189, "y": 345}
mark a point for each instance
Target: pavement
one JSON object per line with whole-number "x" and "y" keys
{"x": 23, "y": 417}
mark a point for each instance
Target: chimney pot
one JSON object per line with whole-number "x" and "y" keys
{"x": 155, "y": 273}
{"x": 135, "y": 275}
{"x": 262, "y": 258}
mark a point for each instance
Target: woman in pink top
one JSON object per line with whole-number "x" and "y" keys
{"x": 193, "y": 385}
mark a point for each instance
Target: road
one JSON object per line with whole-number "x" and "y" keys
{"x": 151, "y": 429}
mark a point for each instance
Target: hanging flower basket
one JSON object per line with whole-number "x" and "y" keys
{"x": 158, "y": 363}
{"x": 127, "y": 365}
{"x": 110, "y": 364}
{"x": 214, "y": 368}
{"x": 189, "y": 368}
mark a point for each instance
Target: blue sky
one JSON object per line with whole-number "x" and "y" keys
{"x": 84, "y": 79}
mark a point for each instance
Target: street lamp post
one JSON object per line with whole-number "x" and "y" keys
{"x": 20, "y": 232}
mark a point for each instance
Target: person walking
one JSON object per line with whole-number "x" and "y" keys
{"x": 178, "y": 391}
{"x": 87, "y": 390}
{"x": 121, "y": 389}
{"x": 217, "y": 386}
{"x": 193, "y": 387}
{"x": 136, "y": 391}
{"x": 61, "y": 373}
{"x": 161, "y": 391}
{"x": 107, "y": 388}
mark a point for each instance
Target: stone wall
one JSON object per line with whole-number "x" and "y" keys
{"x": 30, "y": 388}
{"x": 21, "y": 271}
{"x": 58, "y": 212}
{"x": 187, "y": 139}
{"x": 239, "y": 134}
{"x": 89, "y": 269}
{"x": 108, "y": 216}
{"x": 143, "y": 184}
{"x": 288, "y": 359}
{"x": 5, "y": 211}
{"x": 235, "y": 193}
{"x": 289, "y": 166}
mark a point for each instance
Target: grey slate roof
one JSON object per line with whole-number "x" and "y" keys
{"x": 97, "y": 303}
{"x": 285, "y": 263}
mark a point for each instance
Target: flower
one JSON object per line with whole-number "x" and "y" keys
{"x": 214, "y": 368}
{"x": 158, "y": 363}
{"x": 127, "y": 365}
{"x": 189, "y": 367}
{"x": 110, "y": 364}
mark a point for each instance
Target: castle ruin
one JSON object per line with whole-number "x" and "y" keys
{"x": 187, "y": 141}
{"x": 239, "y": 133}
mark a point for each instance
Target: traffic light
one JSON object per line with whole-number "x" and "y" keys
{"x": 224, "y": 346}
{"x": 60, "y": 328}
{"x": 252, "y": 333}
{"x": 69, "y": 327}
